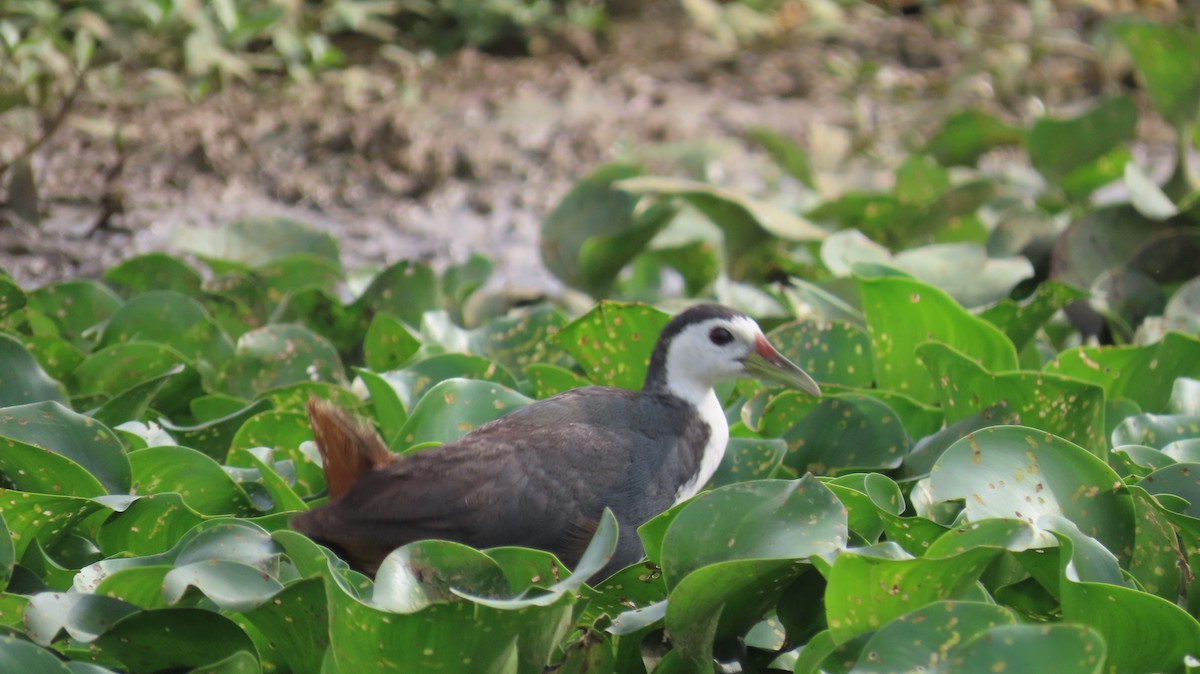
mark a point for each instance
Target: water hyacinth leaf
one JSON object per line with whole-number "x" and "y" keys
{"x": 132, "y": 403}
{"x": 903, "y": 313}
{"x": 413, "y": 382}
{"x": 1021, "y": 320}
{"x": 295, "y": 623}
{"x": 75, "y": 307}
{"x": 1146, "y": 196}
{"x": 1185, "y": 397}
{"x": 161, "y": 639}
{"x": 748, "y": 459}
{"x": 196, "y": 477}
{"x": 82, "y": 616}
{"x": 22, "y": 379}
{"x": 45, "y": 518}
{"x": 154, "y": 271}
{"x": 270, "y": 475}
{"x": 252, "y": 242}
{"x": 785, "y": 152}
{"x": 927, "y": 637}
{"x": 173, "y": 319}
{"x": 578, "y": 236}
{"x": 406, "y": 290}
{"x": 386, "y": 407}
{"x": 7, "y": 554}
{"x": 919, "y": 419}
{"x": 56, "y": 355}
{"x": 1156, "y": 549}
{"x": 232, "y": 586}
{"x": 767, "y": 519}
{"x": 388, "y": 343}
{"x": 277, "y": 355}
{"x": 281, "y": 434}
{"x": 294, "y": 397}
{"x": 140, "y": 585}
{"x": 1162, "y": 56}
{"x": 1066, "y": 407}
{"x": 296, "y": 272}
{"x": 38, "y": 429}
{"x": 721, "y": 601}
{"x": 18, "y": 655}
{"x": 12, "y": 298}
{"x": 115, "y": 369}
{"x": 870, "y": 587}
{"x": 836, "y": 433}
{"x": 1059, "y": 147}
{"x": 455, "y": 407}
{"x": 841, "y": 250}
{"x": 833, "y": 353}
{"x": 461, "y": 280}
{"x": 613, "y": 342}
{"x": 521, "y": 339}
{"x": 1071, "y": 649}
{"x": 1024, "y": 473}
{"x": 1143, "y": 374}
{"x": 150, "y": 525}
{"x": 214, "y": 437}
{"x": 550, "y": 380}
{"x": 967, "y": 135}
{"x": 921, "y": 180}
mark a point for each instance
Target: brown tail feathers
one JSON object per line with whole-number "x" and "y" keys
{"x": 349, "y": 446}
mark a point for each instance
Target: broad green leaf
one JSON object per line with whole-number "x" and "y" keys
{"x": 148, "y": 526}
{"x": 550, "y": 380}
{"x": 116, "y": 369}
{"x": 969, "y": 134}
{"x": 927, "y": 637}
{"x": 1058, "y": 147}
{"x": 180, "y": 322}
{"x": 406, "y": 290}
{"x": 159, "y": 639}
{"x": 836, "y": 433}
{"x": 595, "y": 230}
{"x": 833, "y": 353}
{"x": 455, "y": 407}
{"x": 92, "y": 459}
{"x": 12, "y": 297}
{"x": 277, "y": 355}
{"x": 462, "y": 280}
{"x": 613, "y": 342}
{"x": 214, "y": 437}
{"x": 22, "y": 379}
{"x": 282, "y": 434}
{"x": 1023, "y": 473}
{"x": 903, "y": 313}
{"x": 252, "y": 242}
{"x": 521, "y": 339}
{"x": 1070, "y": 649}
{"x": 1185, "y": 397}
{"x": 75, "y": 307}
{"x": 7, "y": 554}
{"x": 1182, "y": 312}
{"x": 1143, "y": 374}
{"x": 296, "y": 272}
{"x": 386, "y": 405}
{"x": 82, "y": 616}
{"x": 1163, "y": 56}
{"x": 785, "y": 152}
{"x": 154, "y": 271}
{"x": 1065, "y": 407}
{"x": 748, "y": 459}
{"x": 194, "y": 476}
{"x": 920, "y": 180}
{"x": 18, "y": 655}
{"x": 56, "y": 355}
{"x": 45, "y": 518}
{"x": 296, "y": 625}
{"x": 388, "y": 343}
{"x": 1021, "y": 320}
{"x": 232, "y": 586}
{"x": 767, "y": 519}
{"x": 413, "y": 382}
{"x": 1146, "y": 196}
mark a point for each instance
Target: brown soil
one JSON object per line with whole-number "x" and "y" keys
{"x": 436, "y": 160}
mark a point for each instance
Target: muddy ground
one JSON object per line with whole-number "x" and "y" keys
{"x": 433, "y": 160}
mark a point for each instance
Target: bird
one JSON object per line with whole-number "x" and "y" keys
{"x": 541, "y": 476}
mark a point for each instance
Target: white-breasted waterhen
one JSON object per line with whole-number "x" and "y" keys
{"x": 541, "y": 476}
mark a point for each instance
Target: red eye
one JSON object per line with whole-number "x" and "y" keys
{"x": 720, "y": 336}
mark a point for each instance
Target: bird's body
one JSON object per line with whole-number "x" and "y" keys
{"x": 541, "y": 476}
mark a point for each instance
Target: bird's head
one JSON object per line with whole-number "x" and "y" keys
{"x": 710, "y": 343}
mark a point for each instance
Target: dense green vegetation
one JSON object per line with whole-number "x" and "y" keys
{"x": 984, "y": 487}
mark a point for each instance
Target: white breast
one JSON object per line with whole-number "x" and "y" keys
{"x": 711, "y": 412}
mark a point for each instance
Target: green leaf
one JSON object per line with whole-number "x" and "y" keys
{"x": 115, "y": 369}
{"x": 253, "y": 242}
{"x": 1058, "y": 147}
{"x": 232, "y": 586}
{"x": 833, "y": 353}
{"x": 903, "y": 313}
{"x": 154, "y": 271}
{"x": 22, "y": 379}
{"x": 929, "y": 636}
{"x": 194, "y": 476}
{"x": 595, "y": 231}
{"x": 1025, "y": 648}
{"x": 550, "y": 380}
{"x": 175, "y": 320}
{"x": 281, "y": 434}
{"x": 295, "y": 624}
{"x": 75, "y": 307}
{"x": 1146, "y": 196}
{"x": 1163, "y": 56}
{"x": 277, "y": 355}
{"x": 45, "y": 518}
{"x": 1023, "y": 473}
{"x": 388, "y": 343}
{"x": 613, "y": 342}
{"x": 1143, "y": 374}
{"x": 519, "y": 340}
{"x": 1021, "y": 320}
{"x": 18, "y": 655}
{"x": 12, "y": 298}
{"x": 767, "y": 519}
{"x": 1066, "y": 407}
{"x": 785, "y": 152}
{"x": 132, "y": 403}
{"x": 413, "y": 382}
{"x": 836, "y": 433}
{"x": 967, "y": 135}
{"x": 148, "y": 526}
{"x": 92, "y": 463}
{"x": 747, "y": 459}
{"x": 455, "y": 407}
{"x": 154, "y": 640}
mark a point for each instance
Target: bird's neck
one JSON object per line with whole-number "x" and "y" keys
{"x": 710, "y": 411}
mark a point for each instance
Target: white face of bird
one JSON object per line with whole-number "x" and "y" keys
{"x": 719, "y": 349}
